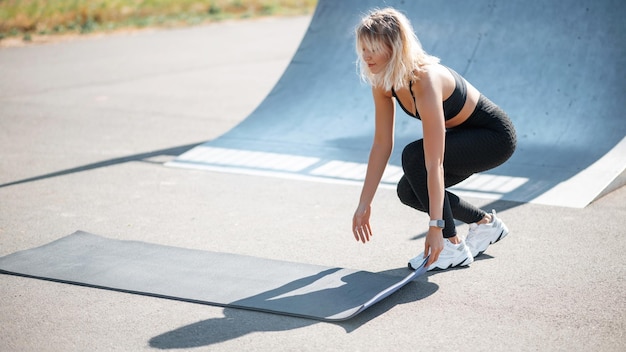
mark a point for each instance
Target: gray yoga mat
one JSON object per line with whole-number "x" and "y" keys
{"x": 222, "y": 279}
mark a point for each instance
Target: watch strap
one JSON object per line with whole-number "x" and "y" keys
{"x": 437, "y": 223}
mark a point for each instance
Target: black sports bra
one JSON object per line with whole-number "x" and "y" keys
{"x": 451, "y": 106}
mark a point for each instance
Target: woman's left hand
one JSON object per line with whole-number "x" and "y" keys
{"x": 433, "y": 244}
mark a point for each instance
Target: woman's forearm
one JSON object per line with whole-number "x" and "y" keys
{"x": 379, "y": 156}
{"x": 436, "y": 191}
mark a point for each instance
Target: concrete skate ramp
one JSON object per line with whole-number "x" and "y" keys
{"x": 557, "y": 68}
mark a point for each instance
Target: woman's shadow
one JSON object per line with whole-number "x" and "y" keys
{"x": 240, "y": 322}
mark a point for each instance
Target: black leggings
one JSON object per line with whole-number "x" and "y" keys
{"x": 485, "y": 140}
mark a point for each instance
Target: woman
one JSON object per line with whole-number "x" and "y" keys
{"x": 463, "y": 133}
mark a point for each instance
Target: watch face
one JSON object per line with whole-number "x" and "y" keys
{"x": 438, "y": 223}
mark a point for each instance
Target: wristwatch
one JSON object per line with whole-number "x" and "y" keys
{"x": 437, "y": 223}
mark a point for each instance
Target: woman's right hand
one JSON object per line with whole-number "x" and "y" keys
{"x": 361, "y": 223}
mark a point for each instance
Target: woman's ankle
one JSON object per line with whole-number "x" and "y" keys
{"x": 454, "y": 240}
{"x": 485, "y": 220}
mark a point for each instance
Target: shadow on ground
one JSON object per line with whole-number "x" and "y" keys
{"x": 144, "y": 157}
{"x": 237, "y": 322}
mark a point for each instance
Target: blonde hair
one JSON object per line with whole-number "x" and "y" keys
{"x": 391, "y": 31}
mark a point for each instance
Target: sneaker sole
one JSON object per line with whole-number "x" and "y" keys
{"x": 502, "y": 235}
{"x": 463, "y": 263}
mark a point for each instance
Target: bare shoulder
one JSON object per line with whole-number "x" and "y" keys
{"x": 431, "y": 77}
{"x": 381, "y": 93}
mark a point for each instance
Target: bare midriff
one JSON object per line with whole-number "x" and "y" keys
{"x": 470, "y": 105}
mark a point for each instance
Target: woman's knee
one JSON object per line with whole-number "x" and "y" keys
{"x": 413, "y": 158}
{"x": 404, "y": 191}
{"x": 407, "y": 195}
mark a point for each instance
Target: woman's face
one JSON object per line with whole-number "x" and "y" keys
{"x": 376, "y": 60}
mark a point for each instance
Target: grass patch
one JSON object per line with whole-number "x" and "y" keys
{"x": 25, "y": 18}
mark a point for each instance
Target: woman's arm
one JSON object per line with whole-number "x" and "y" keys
{"x": 379, "y": 156}
{"x": 428, "y": 101}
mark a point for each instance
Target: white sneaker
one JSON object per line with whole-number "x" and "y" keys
{"x": 452, "y": 255}
{"x": 481, "y": 236}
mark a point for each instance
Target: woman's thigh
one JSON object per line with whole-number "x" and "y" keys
{"x": 473, "y": 150}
